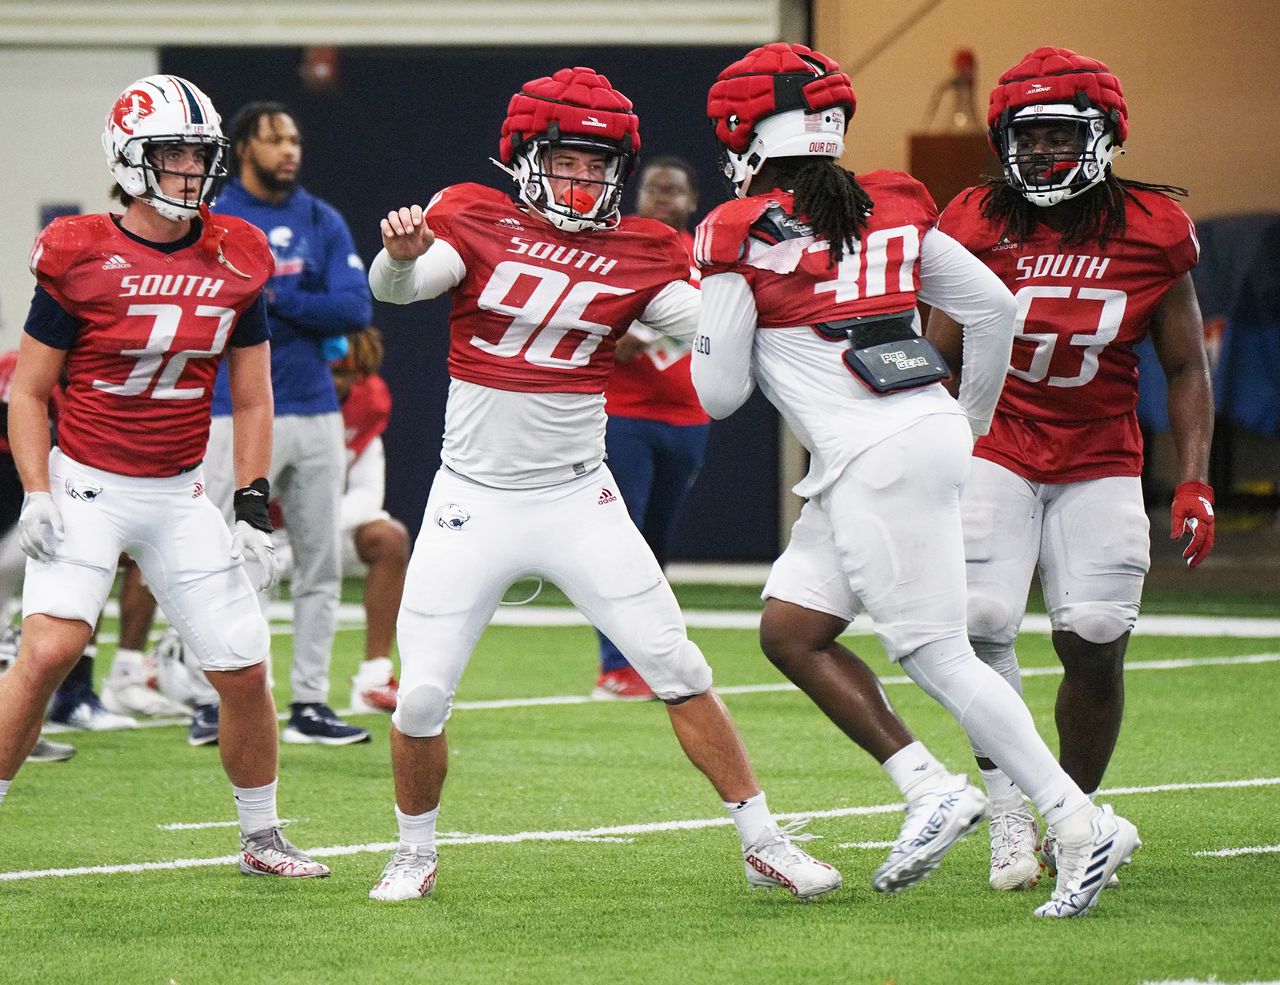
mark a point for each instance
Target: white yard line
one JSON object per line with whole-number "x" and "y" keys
{"x": 1232, "y": 852}
{"x": 497, "y": 704}
{"x": 617, "y": 832}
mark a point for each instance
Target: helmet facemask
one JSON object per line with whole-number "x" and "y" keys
{"x": 210, "y": 180}
{"x": 583, "y": 202}
{"x": 1055, "y": 152}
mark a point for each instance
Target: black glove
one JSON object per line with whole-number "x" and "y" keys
{"x": 251, "y": 505}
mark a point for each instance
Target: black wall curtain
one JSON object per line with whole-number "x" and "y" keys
{"x": 393, "y": 126}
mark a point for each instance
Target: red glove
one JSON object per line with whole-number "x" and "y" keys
{"x": 1193, "y": 514}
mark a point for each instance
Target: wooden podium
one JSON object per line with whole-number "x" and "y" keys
{"x": 948, "y": 163}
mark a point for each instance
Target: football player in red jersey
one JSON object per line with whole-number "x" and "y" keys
{"x": 138, "y": 310}
{"x": 810, "y": 281}
{"x": 541, "y": 290}
{"x": 1096, "y": 263}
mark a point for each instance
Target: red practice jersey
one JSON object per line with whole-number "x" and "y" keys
{"x": 541, "y": 310}
{"x": 365, "y": 414}
{"x": 1069, "y": 407}
{"x": 880, "y": 276}
{"x": 153, "y": 328}
{"x": 656, "y": 385}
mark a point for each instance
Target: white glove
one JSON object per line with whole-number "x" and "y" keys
{"x": 40, "y": 526}
{"x": 249, "y": 539}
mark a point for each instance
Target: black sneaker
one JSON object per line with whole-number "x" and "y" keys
{"x": 316, "y": 722}
{"x": 204, "y": 726}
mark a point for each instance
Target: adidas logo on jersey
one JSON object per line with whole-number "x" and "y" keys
{"x": 116, "y": 262}
{"x": 606, "y": 496}
{"x": 509, "y": 223}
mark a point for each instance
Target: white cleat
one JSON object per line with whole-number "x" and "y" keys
{"x": 269, "y": 853}
{"x": 774, "y": 862}
{"x": 933, "y": 824}
{"x": 1014, "y": 839}
{"x": 1084, "y": 870}
{"x": 138, "y": 699}
{"x": 411, "y": 874}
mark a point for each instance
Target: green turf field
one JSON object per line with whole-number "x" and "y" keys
{"x": 563, "y": 858}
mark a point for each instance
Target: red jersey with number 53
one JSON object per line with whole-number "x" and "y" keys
{"x": 540, "y": 309}
{"x": 1069, "y": 407}
{"x": 153, "y": 328}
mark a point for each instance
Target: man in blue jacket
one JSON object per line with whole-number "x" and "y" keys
{"x": 319, "y": 294}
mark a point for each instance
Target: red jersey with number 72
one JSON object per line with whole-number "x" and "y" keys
{"x": 541, "y": 310}
{"x": 1069, "y": 407}
{"x": 153, "y": 328}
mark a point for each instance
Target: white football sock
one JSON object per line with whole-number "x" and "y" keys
{"x": 4, "y": 789}
{"x": 374, "y": 672}
{"x": 1002, "y": 793}
{"x": 417, "y": 830}
{"x": 127, "y": 668}
{"x": 915, "y": 771}
{"x": 256, "y": 807}
{"x": 751, "y": 817}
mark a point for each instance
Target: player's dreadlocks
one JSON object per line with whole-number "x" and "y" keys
{"x": 829, "y": 198}
{"x": 1095, "y": 216}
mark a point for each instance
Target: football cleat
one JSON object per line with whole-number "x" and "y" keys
{"x": 411, "y": 874}
{"x": 136, "y": 698}
{"x": 80, "y": 708}
{"x": 621, "y": 684}
{"x": 1014, "y": 862}
{"x": 1084, "y": 870}
{"x": 204, "y": 726}
{"x": 774, "y": 862}
{"x": 1047, "y": 856}
{"x": 935, "y": 822}
{"x": 45, "y": 751}
{"x": 269, "y": 853}
{"x": 314, "y": 722}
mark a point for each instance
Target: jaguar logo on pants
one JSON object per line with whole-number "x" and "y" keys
{"x": 451, "y": 516}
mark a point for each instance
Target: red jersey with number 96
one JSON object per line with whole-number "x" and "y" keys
{"x": 1068, "y": 412}
{"x": 540, "y": 309}
{"x": 153, "y": 328}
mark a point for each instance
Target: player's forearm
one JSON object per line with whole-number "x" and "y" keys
{"x": 1191, "y": 421}
{"x": 404, "y": 281}
{"x": 29, "y": 440}
{"x": 721, "y": 368}
{"x": 334, "y": 312}
{"x": 251, "y": 441}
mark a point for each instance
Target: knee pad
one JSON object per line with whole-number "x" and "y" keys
{"x": 1002, "y": 659}
{"x": 683, "y": 676}
{"x": 244, "y": 641}
{"x": 422, "y": 710}
{"x": 991, "y": 619}
{"x": 1095, "y": 622}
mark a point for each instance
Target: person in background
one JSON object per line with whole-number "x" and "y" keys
{"x": 1096, "y": 264}
{"x": 319, "y": 293}
{"x": 657, "y": 432}
{"x": 375, "y": 546}
{"x": 139, "y": 336}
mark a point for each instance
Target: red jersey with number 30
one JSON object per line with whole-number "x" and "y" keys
{"x": 540, "y": 309}
{"x": 153, "y": 330}
{"x": 1069, "y": 407}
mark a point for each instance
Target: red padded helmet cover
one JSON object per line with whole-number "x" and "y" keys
{"x": 1059, "y": 75}
{"x": 575, "y": 103}
{"x": 772, "y": 79}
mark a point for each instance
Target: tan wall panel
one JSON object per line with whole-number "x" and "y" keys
{"x": 1200, "y": 79}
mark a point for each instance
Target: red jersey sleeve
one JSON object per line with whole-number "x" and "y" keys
{"x": 1171, "y": 230}
{"x": 242, "y": 247}
{"x": 720, "y": 240}
{"x": 449, "y": 203}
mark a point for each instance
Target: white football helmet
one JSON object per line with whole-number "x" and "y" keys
{"x": 1047, "y": 177}
{"x": 163, "y": 109}
{"x": 792, "y": 133}
{"x": 178, "y": 672}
